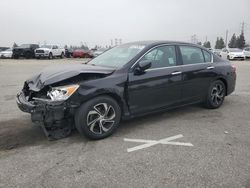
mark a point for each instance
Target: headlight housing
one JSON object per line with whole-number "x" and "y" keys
{"x": 62, "y": 93}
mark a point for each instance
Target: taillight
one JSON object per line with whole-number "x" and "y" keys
{"x": 233, "y": 68}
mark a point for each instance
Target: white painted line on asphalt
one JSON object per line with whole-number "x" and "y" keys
{"x": 149, "y": 143}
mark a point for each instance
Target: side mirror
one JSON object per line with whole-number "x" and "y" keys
{"x": 142, "y": 66}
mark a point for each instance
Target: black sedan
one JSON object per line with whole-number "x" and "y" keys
{"x": 130, "y": 80}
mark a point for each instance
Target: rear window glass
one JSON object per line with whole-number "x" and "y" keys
{"x": 207, "y": 56}
{"x": 191, "y": 55}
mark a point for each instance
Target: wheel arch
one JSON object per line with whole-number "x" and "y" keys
{"x": 113, "y": 95}
{"x": 224, "y": 82}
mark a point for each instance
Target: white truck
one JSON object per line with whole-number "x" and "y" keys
{"x": 49, "y": 51}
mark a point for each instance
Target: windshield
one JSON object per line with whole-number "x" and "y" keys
{"x": 46, "y": 46}
{"x": 117, "y": 56}
{"x": 101, "y": 50}
{"x": 235, "y": 50}
{"x": 25, "y": 46}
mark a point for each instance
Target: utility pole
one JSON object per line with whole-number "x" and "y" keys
{"x": 242, "y": 27}
{"x": 226, "y": 37}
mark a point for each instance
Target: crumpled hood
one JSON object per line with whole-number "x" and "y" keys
{"x": 54, "y": 74}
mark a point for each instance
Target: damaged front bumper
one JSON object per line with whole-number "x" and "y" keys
{"x": 55, "y": 118}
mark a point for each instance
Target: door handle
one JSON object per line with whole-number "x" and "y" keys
{"x": 176, "y": 73}
{"x": 210, "y": 67}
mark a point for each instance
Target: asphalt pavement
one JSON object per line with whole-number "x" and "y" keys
{"x": 186, "y": 147}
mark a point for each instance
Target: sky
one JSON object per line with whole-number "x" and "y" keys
{"x": 97, "y": 22}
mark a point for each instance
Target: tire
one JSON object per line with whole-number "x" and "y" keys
{"x": 62, "y": 55}
{"x": 92, "y": 114}
{"x": 28, "y": 55}
{"x": 216, "y": 94}
{"x": 16, "y": 56}
{"x": 50, "y": 56}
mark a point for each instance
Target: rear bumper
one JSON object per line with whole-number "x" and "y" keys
{"x": 231, "y": 83}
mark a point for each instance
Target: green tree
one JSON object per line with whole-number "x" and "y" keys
{"x": 14, "y": 45}
{"x": 207, "y": 44}
{"x": 222, "y": 43}
{"x": 219, "y": 44}
{"x": 240, "y": 41}
{"x": 233, "y": 42}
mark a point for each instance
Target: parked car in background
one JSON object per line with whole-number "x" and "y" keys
{"x": 232, "y": 54}
{"x": 99, "y": 52}
{"x": 246, "y": 52}
{"x": 25, "y": 50}
{"x": 217, "y": 51}
{"x": 3, "y": 48}
{"x": 80, "y": 53}
{"x": 69, "y": 52}
{"x": 49, "y": 51}
{"x": 129, "y": 80}
{"x": 6, "y": 53}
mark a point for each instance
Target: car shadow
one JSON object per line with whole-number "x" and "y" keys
{"x": 16, "y": 133}
{"x": 127, "y": 126}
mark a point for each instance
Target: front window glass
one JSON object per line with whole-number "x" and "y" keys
{"x": 117, "y": 56}
{"x": 163, "y": 56}
{"x": 191, "y": 55}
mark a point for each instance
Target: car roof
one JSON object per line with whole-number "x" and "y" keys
{"x": 152, "y": 43}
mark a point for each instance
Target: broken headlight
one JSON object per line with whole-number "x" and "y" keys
{"x": 62, "y": 93}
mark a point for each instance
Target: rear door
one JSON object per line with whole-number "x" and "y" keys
{"x": 55, "y": 50}
{"x": 198, "y": 72}
{"x": 159, "y": 86}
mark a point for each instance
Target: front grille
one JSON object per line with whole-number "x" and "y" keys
{"x": 39, "y": 51}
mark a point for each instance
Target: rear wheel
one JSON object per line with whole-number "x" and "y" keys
{"x": 216, "y": 95}
{"x": 98, "y": 118}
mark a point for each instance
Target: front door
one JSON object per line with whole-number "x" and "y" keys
{"x": 159, "y": 86}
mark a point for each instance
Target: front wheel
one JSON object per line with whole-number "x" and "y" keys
{"x": 50, "y": 56}
{"x": 62, "y": 55}
{"x": 216, "y": 95}
{"x": 98, "y": 118}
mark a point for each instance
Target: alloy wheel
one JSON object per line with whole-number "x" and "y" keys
{"x": 217, "y": 94}
{"x": 101, "y": 118}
